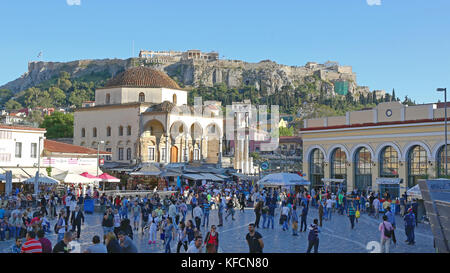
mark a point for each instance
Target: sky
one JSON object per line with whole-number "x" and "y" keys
{"x": 401, "y": 44}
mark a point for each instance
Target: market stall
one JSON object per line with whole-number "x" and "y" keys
{"x": 391, "y": 185}
{"x": 334, "y": 185}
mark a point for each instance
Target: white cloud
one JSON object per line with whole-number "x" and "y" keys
{"x": 73, "y": 2}
{"x": 373, "y": 2}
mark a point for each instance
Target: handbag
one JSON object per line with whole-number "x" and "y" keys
{"x": 387, "y": 233}
{"x": 357, "y": 214}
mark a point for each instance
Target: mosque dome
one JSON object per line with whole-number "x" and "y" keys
{"x": 142, "y": 76}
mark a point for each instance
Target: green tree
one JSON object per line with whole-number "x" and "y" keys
{"x": 35, "y": 116}
{"x": 11, "y": 104}
{"x": 5, "y": 95}
{"x": 283, "y": 131}
{"x": 58, "y": 96}
{"x": 78, "y": 96}
{"x": 34, "y": 97}
{"x": 58, "y": 125}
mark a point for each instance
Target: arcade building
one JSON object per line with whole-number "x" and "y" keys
{"x": 389, "y": 147}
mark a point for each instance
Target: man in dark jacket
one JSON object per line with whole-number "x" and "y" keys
{"x": 303, "y": 218}
{"x": 77, "y": 220}
{"x": 410, "y": 224}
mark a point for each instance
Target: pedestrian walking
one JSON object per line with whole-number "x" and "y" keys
{"x": 284, "y": 217}
{"x": 351, "y": 214}
{"x": 313, "y": 237}
{"x": 230, "y": 209}
{"x": 410, "y": 224}
{"x": 169, "y": 233}
{"x": 77, "y": 221}
{"x": 212, "y": 240}
{"x": 197, "y": 247}
{"x": 198, "y": 213}
{"x": 294, "y": 218}
{"x": 182, "y": 237}
{"x": 126, "y": 243}
{"x": 254, "y": 240}
{"x": 386, "y": 230}
{"x": 304, "y": 217}
{"x": 320, "y": 212}
{"x": 258, "y": 212}
{"x": 221, "y": 208}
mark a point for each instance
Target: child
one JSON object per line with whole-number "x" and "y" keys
{"x": 152, "y": 231}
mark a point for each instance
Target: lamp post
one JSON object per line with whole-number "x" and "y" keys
{"x": 445, "y": 124}
{"x": 98, "y": 158}
{"x": 36, "y": 179}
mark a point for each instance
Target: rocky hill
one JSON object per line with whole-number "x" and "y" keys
{"x": 268, "y": 77}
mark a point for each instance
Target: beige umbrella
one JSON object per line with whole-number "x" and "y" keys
{"x": 73, "y": 178}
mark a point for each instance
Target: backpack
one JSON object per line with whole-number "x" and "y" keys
{"x": 387, "y": 233}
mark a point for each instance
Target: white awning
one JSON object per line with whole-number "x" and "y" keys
{"x": 145, "y": 173}
{"x": 212, "y": 177}
{"x": 388, "y": 181}
{"x": 193, "y": 176}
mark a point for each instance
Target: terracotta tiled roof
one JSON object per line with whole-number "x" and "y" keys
{"x": 3, "y": 126}
{"x": 290, "y": 139}
{"x": 142, "y": 76}
{"x": 60, "y": 147}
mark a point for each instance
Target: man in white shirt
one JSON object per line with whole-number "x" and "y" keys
{"x": 197, "y": 247}
{"x": 198, "y": 214}
{"x": 329, "y": 206}
{"x": 376, "y": 206}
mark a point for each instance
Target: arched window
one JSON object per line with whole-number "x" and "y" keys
{"x": 94, "y": 132}
{"x": 129, "y": 130}
{"x": 108, "y": 98}
{"x": 441, "y": 161}
{"x": 83, "y": 132}
{"x": 120, "y": 130}
{"x": 417, "y": 165}
{"x": 389, "y": 168}
{"x": 363, "y": 169}
{"x": 141, "y": 97}
{"x": 389, "y": 162}
{"x": 316, "y": 167}
{"x": 108, "y": 131}
{"x": 174, "y": 99}
{"x": 128, "y": 153}
{"x": 338, "y": 169}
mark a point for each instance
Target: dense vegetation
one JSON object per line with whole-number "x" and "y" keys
{"x": 60, "y": 91}
{"x": 64, "y": 91}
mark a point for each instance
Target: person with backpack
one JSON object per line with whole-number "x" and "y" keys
{"x": 212, "y": 240}
{"x": 313, "y": 237}
{"x": 386, "y": 230}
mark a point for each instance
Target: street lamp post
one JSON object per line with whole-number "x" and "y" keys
{"x": 445, "y": 124}
{"x": 98, "y": 158}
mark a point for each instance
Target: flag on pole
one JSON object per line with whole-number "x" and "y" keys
{"x": 40, "y": 54}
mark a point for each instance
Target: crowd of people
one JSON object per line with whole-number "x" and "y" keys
{"x": 183, "y": 217}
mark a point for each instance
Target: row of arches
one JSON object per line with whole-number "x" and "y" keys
{"x": 417, "y": 157}
{"x": 179, "y": 128}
